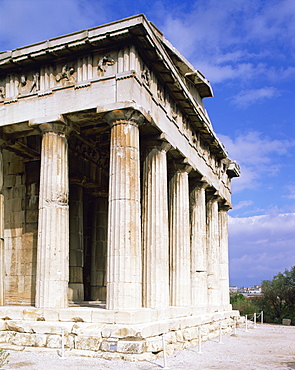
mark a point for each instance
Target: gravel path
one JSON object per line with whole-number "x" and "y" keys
{"x": 265, "y": 347}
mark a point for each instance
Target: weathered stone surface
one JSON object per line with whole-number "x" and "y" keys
{"x": 190, "y": 333}
{"x": 24, "y": 339}
{"x": 155, "y": 227}
{"x": 81, "y": 314}
{"x": 54, "y": 341}
{"x": 286, "y": 322}
{"x": 116, "y": 331}
{"x": 124, "y": 268}
{"x": 87, "y": 329}
{"x": 88, "y": 342}
{"x": 154, "y": 344}
{"x": 109, "y": 346}
{"x": 32, "y": 314}
{"x": 6, "y": 337}
{"x": 180, "y": 288}
{"x": 130, "y": 346}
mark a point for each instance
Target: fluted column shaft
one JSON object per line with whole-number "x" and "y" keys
{"x": 198, "y": 245}
{"x": 124, "y": 268}
{"x": 76, "y": 286}
{"x": 53, "y": 226}
{"x": 224, "y": 274}
{"x": 155, "y": 229}
{"x": 179, "y": 239}
{"x": 213, "y": 252}
{"x": 99, "y": 249}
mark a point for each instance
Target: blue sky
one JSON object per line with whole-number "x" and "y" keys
{"x": 247, "y": 51}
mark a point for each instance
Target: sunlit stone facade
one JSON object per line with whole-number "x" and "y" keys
{"x": 114, "y": 186}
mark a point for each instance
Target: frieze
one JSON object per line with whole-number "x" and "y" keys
{"x": 28, "y": 85}
{"x": 146, "y": 77}
{"x": 103, "y": 64}
{"x": 161, "y": 95}
{"x": 2, "y": 92}
{"x": 66, "y": 75}
{"x": 54, "y": 76}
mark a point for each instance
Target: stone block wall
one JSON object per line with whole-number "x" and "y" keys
{"x": 85, "y": 336}
{"x": 20, "y": 192}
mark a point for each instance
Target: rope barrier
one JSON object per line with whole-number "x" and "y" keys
{"x": 235, "y": 319}
{"x": 255, "y": 317}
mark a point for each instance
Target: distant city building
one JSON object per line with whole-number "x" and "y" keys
{"x": 251, "y": 291}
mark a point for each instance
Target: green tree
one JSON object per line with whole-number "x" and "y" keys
{"x": 278, "y": 299}
{"x": 241, "y": 303}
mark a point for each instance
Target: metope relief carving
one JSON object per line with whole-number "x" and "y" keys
{"x": 161, "y": 95}
{"x": 146, "y": 77}
{"x": 35, "y": 86}
{"x": 66, "y": 76}
{"x": 28, "y": 85}
{"x": 103, "y": 64}
{"x": 2, "y": 92}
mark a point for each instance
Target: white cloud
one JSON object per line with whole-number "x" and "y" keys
{"x": 274, "y": 21}
{"x": 242, "y": 204}
{"x": 23, "y": 22}
{"x": 258, "y": 157}
{"x": 228, "y": 40}
{"x": 291, "y": 191}
{"x": 260, "y": 247}
{"x": 248, "y": 97}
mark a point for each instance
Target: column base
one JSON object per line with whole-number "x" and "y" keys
{"x": 76, "y": 292}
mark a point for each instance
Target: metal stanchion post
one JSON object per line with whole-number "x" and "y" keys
{"x": 199, "y": 340}
{"x": 220, "y": 333}
{"x": 164, "y": 353}
{"x": 255, "y": 326}
{"x": 246, "y": 322}
{"x": 261, "y": 317}
{"x": 63, "y": 344}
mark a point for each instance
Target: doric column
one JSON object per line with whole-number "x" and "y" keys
{"x": 1, "y": 231}
{"x": 99, "y": 249}
{"x": 155, "y": 228}
{"x": 180, "y": 294}
{"x": 198, "y": 244}
{"x": 53, "y": 225}
{"x": 223, "y": 258}
{"x": 213, "y": 252}
{"x": 76, "y": 286}
{"x": 124, "y": 268}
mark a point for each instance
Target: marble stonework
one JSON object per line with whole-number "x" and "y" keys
{"x": 114, "y": 186}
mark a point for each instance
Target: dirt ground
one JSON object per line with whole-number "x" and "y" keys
{"x": 265, "y": 347}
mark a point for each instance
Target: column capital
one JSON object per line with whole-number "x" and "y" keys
{"x": 181, "y": 166}
{"x": 224, "y": 206}
{"x": 128, "y": 115}
{"x": 57, "y": 123}
{"x": 56, "y": 127}
{"x": 157, "y": 143}
{"x": 201, "y": 183}
{"x": 213, "y": 197}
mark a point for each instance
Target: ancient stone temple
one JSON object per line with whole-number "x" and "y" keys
{"x": 114, "y": 195}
